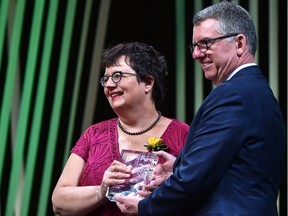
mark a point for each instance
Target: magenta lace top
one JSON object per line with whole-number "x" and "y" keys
{"x": 98, "y": 146}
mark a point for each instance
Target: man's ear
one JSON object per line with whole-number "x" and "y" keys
{"x": 241, "y": 44}
{"x": 149, "y": 82}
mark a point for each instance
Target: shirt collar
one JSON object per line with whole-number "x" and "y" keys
{"x": 240, "y": 68}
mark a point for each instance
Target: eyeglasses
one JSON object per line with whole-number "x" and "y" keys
{"x": 203, "y": 45}
{"x": 116, "y": 77}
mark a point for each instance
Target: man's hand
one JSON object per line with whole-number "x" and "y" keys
{"x": 163, "y": 170}
{"x": 128, "y": 204}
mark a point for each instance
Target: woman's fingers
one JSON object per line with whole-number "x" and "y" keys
{"x": 116, "y": 174}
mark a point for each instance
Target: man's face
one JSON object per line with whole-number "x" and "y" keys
{"x": 220, "y": 59}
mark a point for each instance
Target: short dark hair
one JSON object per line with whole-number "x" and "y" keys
{"x": 145, "y": 61}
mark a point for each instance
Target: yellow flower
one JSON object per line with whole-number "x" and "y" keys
{"x": 156, "y": 144}
{"x": 153, "y": 141}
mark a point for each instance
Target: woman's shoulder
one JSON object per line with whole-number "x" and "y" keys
{"x": 175, "y": 136}
{"x": 179, "y": 125}
{"x": 103, "y": 125}
{"x": 100, "y": 135}
{"x": 176, "y": 128}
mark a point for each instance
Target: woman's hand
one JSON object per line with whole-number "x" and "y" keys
{"x": 116, "y": 174}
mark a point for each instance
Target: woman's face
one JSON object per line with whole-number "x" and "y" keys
{"x": 221, "y": 57}
{"x": 128, "y": 92}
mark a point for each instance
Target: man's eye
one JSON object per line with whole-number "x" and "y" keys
{"x": 201, "y": 45}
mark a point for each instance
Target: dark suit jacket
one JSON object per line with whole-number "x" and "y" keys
{"x": 232, "y": 161}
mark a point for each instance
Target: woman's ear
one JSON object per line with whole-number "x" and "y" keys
{"x": 149, "y": 82}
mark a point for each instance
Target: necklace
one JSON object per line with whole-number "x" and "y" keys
{"x": 140, "y": 132}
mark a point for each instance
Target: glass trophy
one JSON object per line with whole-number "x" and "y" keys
{"x": 143, "y": 165}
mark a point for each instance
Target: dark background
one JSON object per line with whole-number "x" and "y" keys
{"x": 149, "y": 21}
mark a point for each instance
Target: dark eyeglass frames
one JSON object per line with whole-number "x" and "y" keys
{"x": 116, "y": 77}
{"x": 203, "y": 45}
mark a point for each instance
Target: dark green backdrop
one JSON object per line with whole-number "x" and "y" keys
{"x": 50, "y": 55}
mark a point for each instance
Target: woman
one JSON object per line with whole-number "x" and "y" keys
{"x": 134, "y": 86}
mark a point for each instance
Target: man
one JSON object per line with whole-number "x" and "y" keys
{"x": 232, "y": 161}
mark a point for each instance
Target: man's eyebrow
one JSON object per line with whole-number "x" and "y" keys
{"x": 202, "y": 40}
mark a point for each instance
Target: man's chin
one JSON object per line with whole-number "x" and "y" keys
{"x": 209, "y": 76}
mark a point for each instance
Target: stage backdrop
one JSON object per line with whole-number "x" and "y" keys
{"x": 50, "y": 54}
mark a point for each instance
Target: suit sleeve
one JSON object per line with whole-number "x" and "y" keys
{"x": 214, "y": 140}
